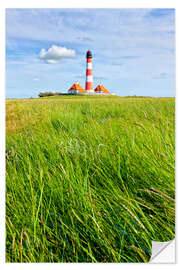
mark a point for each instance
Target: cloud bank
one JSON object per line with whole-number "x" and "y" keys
{"x": 55, "y": 54}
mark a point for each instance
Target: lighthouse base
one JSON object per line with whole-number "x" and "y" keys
{"x": 90, "y": 91}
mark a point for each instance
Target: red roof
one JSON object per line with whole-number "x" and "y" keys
{"x": 101, "y": 88}
{"x": 77, "y": 87}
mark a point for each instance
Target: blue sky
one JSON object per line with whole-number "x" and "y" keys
{"x": 133, "y": 50}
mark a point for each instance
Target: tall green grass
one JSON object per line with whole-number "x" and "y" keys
{"x": 89, "y": 179}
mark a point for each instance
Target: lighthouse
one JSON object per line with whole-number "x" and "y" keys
{"x": 77, "y": 89}
{"x": 89, "y": 75}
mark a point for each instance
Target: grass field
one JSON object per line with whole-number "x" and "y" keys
{"x": 89, "y": 179}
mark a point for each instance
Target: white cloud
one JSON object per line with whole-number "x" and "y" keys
{"x": 162, "y": 75}
{"x": 36, "y": 79}
{"x": 55, "y": 54}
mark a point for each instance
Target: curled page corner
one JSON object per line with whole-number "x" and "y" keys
{"x": 163, "y": 252}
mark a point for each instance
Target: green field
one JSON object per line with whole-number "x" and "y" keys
{"x": 89, "y": 179}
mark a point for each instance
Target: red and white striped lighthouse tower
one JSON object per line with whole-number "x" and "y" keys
{"x": 89, "y": 76}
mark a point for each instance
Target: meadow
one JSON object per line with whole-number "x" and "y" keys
{"x": 89, "y": 179}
